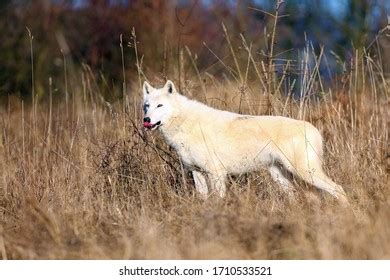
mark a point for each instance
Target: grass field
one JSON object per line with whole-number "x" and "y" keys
{"x": 82, "y": 180}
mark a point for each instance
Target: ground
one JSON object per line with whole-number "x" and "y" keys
{"x": 87, "y": 182}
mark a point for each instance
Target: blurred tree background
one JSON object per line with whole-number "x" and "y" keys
{"x": 75, "y": 38}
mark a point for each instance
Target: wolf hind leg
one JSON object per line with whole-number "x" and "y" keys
{"x": 319, "y": 179}
{"x": 200, "y": 184}
{"x": 311, "y": 172}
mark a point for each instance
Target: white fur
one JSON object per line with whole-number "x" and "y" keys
{"x": 221, "y": 143}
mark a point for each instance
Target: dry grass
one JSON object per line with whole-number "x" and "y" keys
{"x": 94, "y": 185}
{"x": 82, "y": 180}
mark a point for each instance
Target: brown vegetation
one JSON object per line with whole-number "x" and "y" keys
{"x": 80, "y": 179}
{"x": 94, "y": 185}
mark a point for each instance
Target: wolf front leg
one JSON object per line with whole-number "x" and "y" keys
{"x": 279, "y": 177}
{"x": 200, "y": 184}
{"x": 217, "y": 181}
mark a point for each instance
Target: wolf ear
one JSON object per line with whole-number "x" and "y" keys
{"x": 147, "y": 88}
{"x": 170, "y": 87}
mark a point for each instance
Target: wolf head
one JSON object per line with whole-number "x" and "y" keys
{"x": 158, "y": 104}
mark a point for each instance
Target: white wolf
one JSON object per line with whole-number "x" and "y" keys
{"x": 216, "y": 143}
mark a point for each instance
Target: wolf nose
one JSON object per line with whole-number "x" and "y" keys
{"x": 147, "y": 120}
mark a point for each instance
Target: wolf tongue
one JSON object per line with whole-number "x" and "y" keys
{"x": 147, "y": 124}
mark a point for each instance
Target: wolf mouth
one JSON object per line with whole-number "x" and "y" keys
{"x": 151, "y": 126}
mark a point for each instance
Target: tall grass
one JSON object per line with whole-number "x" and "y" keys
{"x": 83, "y": 180}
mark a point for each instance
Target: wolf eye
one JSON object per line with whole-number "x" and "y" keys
{"x": 146, "y": 107}
{"x": 159, "y": 105}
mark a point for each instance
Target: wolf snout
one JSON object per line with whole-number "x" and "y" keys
{"x": 147, "y": 123}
